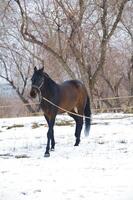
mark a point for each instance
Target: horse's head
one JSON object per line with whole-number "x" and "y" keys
{"x": 37, "y": 82}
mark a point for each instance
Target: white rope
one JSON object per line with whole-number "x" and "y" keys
{"x": 76, "y": 114}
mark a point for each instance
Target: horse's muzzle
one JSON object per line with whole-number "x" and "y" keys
{"x": 33, "y": 93}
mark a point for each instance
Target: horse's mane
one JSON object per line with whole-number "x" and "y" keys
{"x": 46, "y": 75}
{"x": 49, "y": 79}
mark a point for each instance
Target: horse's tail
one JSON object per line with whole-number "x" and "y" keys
{"x": 87, "y": 113}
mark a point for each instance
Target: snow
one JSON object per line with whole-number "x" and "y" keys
{"x": 100, "y": 168}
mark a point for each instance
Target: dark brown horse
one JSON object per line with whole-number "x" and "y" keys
{"x": 70, "y": 96}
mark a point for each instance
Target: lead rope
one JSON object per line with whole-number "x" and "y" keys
{"x": 76, "y": 114}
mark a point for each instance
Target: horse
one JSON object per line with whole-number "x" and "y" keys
{"x": 70, "y": 96}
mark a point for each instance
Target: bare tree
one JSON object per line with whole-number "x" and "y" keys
{"x": 14, "y": 61}
{"x": 74, "y": 15}
{"x": 127, "y": 22}
{"x": 71, "y": 37}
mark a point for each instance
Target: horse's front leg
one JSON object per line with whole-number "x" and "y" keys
{"x": 52, "y": 134}
{"x": 50, "y": 137}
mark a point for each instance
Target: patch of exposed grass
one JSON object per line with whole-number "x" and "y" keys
{"x": 21, "y": 156}
{"x": 57, "y": 123}
{"x": 123, "y": 141}
{"x": 4, "y": 155}
{"x": 64, "y": 123}
{"x": 35, "y": 125}
{"x": 15, "y": 126}
{"x": 101, "y": 142}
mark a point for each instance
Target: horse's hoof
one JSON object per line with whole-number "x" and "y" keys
{"x": 52, "y": 149}
{"x": 46, "y": 155}
{"x": 76, "y": 144}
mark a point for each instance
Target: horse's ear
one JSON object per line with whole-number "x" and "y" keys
{"x": 42, "y": 69}
{"x": 35, "y": 68}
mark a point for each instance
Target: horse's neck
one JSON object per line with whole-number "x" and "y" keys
{"x": 50, "y": 88}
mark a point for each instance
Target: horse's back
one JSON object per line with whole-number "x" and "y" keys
{"x": 75, "y": 84}
{"x": 73, "y": 93}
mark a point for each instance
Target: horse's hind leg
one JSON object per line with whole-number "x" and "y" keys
{"x": 79, "y": 125}
{"x": 52, "y": 142}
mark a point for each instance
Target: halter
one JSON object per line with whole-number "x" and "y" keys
{"x": 39, "y": 87}
{"x": 39, "y": 90}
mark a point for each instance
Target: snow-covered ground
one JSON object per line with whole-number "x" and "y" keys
{"x": 101, "y": 168}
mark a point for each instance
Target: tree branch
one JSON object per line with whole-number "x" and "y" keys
{"x": 28, "y": 36}
{"x": 118, "y": 18}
